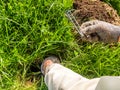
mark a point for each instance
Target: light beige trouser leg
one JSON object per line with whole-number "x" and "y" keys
{"x": 60, "y": 78}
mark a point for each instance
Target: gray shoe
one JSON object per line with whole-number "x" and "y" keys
{"x": 52, "y": 58}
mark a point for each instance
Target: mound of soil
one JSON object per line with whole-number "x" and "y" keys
{"x": 86, "y": 10}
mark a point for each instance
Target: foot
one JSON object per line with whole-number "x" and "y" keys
{"x": 47, "y": 62}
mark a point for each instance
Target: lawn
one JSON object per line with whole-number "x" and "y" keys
{"x": 33, "y": 29}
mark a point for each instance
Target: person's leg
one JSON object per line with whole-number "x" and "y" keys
{"x": 57, "y": 77}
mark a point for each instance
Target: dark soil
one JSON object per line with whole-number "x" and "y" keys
{"x": 86, "y": 10}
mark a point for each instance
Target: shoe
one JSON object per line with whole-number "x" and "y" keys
{"x": 47, "y": 62}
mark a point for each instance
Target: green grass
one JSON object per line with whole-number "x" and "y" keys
{"x": 33, "y": 29}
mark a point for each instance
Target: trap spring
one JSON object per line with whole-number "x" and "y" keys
{"x": 74, "y": 21}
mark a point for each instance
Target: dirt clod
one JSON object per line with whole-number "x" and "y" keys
{"x": 86, "y": 10}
